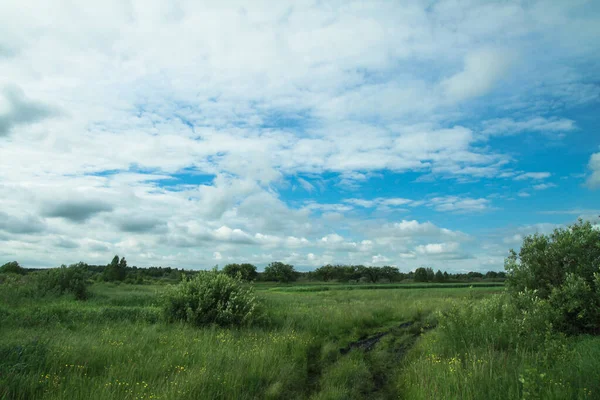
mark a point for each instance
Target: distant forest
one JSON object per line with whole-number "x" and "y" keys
{"x": 119, "y": 271}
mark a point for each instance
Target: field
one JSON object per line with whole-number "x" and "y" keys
{"x": 319, "y": 342}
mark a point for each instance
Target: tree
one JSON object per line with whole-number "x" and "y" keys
{"x": 370, "y": 273}
{"x": 430, "y": 274}
{"x": 421, "y": 275}
{"x": 116, "y": 270}
{"x": 439, "y": 276}
{"x": 71, "y": 279}
{"x": 562, "y": 268}
{"x": 390, "y": 273}
{"x": 12, "y": 267}
{"x": 325, "y": 273}
{"x": 280, "y": 272}
{"x": 246, "y": 272}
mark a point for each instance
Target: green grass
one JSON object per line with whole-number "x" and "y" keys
{"x": 117, "y": 346}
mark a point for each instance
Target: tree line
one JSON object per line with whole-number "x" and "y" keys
{"x": 119, "y": 271}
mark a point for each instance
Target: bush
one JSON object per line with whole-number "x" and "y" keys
{"x": 212, "y": 297}
{"x": 562, "y": 268}
{"x": 64, "y": 280}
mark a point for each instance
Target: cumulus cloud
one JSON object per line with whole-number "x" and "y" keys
{"x": 593, "y": 181}
{"x": 482, "y": 70}
{"x": 133, "y": 224}
{"x": 17, "y": 109}
{"x": 445, "y": 250}
{"x": 25, "y": 224}
{"x": 193, "y": 155}
{"x": 75, "y": 210}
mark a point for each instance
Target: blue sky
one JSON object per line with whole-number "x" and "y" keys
{"x": 189, "y": 134}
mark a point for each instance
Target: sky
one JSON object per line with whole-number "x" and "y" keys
{"x": 200, "y": 133}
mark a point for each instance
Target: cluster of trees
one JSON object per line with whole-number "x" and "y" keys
{"x": 118, "y": 271}
{"x": 349, "y": 273}
{"x": 355, "y": 273}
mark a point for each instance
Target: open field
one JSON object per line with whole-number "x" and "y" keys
{"x": 117, "y": 346}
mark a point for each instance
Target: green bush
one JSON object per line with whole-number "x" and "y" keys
{"x": 562, "y": 268}
{"x": 212, "y": 297}
{"x": 63, "y": 280}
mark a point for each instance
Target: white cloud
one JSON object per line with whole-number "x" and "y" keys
{"x": 544, "y": 186}
{"x": 593, "y": 181}
{"x": 306, "y": 185}
{"x": 482, "y": 70}
{"x": 533, "y": 176}
{"x": 106, "y": 111}
{"x": 460, "y": 205}
{"x": 508, "y": 126}
{"x": 438, "y": 248}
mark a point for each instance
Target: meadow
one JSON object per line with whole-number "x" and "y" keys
{"x": 318, "y": 342}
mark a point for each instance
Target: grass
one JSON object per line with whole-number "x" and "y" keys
{"x": 117, "y": 346}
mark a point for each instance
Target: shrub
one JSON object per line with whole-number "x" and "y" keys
{"x": 564, "y": 269}
{"x": 212, "y": 297}
{"x": 64, "y": 280}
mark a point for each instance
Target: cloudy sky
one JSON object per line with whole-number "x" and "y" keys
{"x": 195, "y": 133}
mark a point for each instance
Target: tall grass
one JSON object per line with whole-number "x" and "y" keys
{"x": 115, "y": 345}
{"x": 495, "y": 350}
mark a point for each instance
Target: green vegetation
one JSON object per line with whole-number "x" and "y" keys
{"x": 280, "y": 272}
{"x": 213, "y": 334}
{"x": 12, "y": 267}
{"x": 245, "y": 271}
{"x": 212, "y": 297}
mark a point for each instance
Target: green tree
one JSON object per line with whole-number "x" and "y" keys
{"x": 246, "y": 271}
{"x": 390, "y": 273}
{"x": 12, "y": 267}
{"x": 325, "y": 273}
{"x": 430, "y": 274}
{"x": 116, "y": 270}
{"x": 280, "y": 272}
{"x": 370, "y": 273}
{"x": 562, "y": 268}
{"x": 421, "y": 275}
{"x": 439, "y": 276}
{"x": 58, "y": 281}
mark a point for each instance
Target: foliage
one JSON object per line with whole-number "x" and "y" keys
{"x": 562, "y": 268}
{"x": 12, "y": 267}
{"x": 439, "y": 277}
{"x": 212, "y": 298}
{"x": 280, "y": 272}
{"x": 59, "y": 281}
{"x": 246, "y": 271}
{"x": 423, "y": 274}
{"x": 116, "y": 270}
